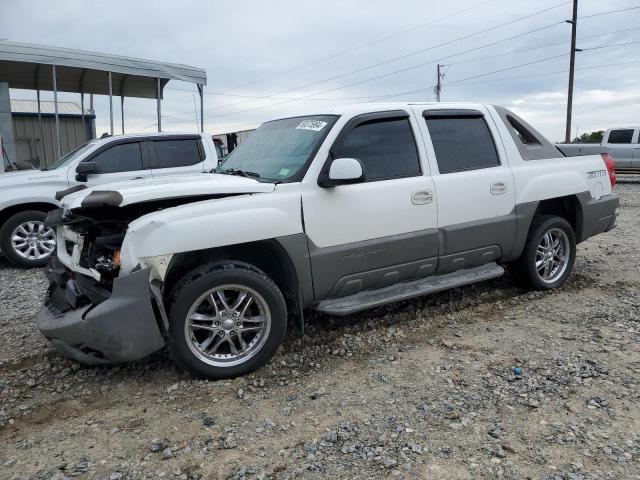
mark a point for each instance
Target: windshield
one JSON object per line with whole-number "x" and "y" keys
{"x": 279, "y": 150}
{"x": 72, "y": 155}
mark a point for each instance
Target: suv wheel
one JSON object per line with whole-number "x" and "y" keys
{"x": 225, "y": 320}
{"x": 25, "y": 241}
{"x": 549, "y": 253}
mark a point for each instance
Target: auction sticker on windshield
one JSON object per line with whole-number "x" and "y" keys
{"x": 315, "y": 125}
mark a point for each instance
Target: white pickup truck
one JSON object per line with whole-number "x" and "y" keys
{"x": 26, "y": 196}
{"x": 339, "y": 212}
{"x": 623, "y": 144}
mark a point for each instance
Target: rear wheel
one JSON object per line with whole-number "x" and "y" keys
{"x": 25, "y": 241}
{"x": 549, "y": 253}
{"x": 226, "y": 320}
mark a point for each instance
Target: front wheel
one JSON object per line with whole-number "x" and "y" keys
{"x": 26, "y": 241}
{"x": 226, "y": 319}
{"x": 549, "y": 253}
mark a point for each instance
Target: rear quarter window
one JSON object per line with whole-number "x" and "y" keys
{"x": 462, "y": 144}
{"x": 175, "y": 153}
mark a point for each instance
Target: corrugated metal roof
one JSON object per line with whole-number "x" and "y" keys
{"x": 28, "y": 66}
{"x": 47, "y": 107}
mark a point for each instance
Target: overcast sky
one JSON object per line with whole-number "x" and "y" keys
{"x": 278, "y": 48}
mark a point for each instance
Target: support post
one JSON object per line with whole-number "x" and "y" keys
{"x": 110, "y": 102}
{"x": 438, "y": 85}
{"x": 55, "y": 105}
{"x": 41, "y": 143}
{"x": 159, "y": 107}
{"x": 124, "y": 78}
{"x": 572, "y": 63}
{"x": 201, "y": 92}
{"x": 84, "y": 127}
{"x": 122, "y": 112}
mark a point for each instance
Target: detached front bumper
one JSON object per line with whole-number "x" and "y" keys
{"x": 122, "y": 328}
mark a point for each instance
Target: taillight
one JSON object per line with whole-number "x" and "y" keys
{"x": 611, "y": 168}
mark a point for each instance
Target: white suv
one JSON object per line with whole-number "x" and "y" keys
{"x": 27, "y": 196}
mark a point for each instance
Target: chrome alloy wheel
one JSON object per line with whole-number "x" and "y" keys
{"x": 552, "y": 255}
{"x": 33, "y": 241}
{"x": 227, "y": 325}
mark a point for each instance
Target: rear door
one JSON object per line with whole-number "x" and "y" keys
{"x": 176, "y": 155}
{"x": 473, "y": 184}
{"x": 124, "y": 160}
{"x": 620, "y": 144}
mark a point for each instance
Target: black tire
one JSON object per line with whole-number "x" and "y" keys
{"x": 5, "y": 239}
{"x": 191, "y": 288}
{"x": 525, "y": 269}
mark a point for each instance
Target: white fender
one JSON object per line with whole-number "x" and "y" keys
{"x": 211, "y": 224}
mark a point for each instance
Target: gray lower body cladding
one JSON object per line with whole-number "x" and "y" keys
{"x": 119, "y": 329}
{"x": 347, "y": 269}
{"x": 598, "y": 215}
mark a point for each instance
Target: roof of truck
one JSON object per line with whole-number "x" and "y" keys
{"x": 357, "y": 108}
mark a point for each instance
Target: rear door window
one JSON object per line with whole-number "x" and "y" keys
{"x": 462, "y": 143}
{"x": 175, "y": 153}
{"x": 621, "y": 136}
{"x": 125, "y": 157}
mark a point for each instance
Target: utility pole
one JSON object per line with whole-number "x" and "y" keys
{"x": 438, "y": 88}
{"x": 572, "y": 64}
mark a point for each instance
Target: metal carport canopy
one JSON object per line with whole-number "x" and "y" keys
{"x": 43, "y": 67}
{"x": 82, "y": 71}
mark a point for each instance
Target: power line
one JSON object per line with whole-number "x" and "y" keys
{"x": 388, "y": 37}
{"x": 608, "y": 12}
{"x": 401, "y": 57}
{"x": 609, "y": 46}
{"x": 550, "y": 45}
{"x": 557, "y": 72}
{"x": 369, "y": 79}
{"x": 367, "y": 44}
{"x": 309, "y": 97}
{"x": 475, "y": 76}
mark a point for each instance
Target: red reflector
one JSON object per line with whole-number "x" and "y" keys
{"x": 611, "y": 168}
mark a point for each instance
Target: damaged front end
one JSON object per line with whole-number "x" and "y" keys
{"x": 93, "y": 312}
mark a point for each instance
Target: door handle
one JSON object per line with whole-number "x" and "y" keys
{"x": 421, "y": 197}
{"x": 498, "y": 188}
{"x": 136, "y": 178}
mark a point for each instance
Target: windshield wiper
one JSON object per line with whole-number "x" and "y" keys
{"x": 244, "y": 173}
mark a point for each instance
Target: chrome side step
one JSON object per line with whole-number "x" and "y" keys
{"x": 403, "y": 291}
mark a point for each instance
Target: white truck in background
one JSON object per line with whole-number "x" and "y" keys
{"x": 623, "y": 144}
{"x": 26, "y": 196}
{"x": 341, "y": 211}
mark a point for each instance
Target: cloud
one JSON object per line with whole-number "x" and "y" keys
{"x": 260, "y": 49}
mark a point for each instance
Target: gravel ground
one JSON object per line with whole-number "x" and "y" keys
{"x": 421, "y": 389}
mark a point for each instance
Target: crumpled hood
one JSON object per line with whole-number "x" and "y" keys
{"x": 145, "y": 190}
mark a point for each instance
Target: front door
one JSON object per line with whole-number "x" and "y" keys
{"x": 116, "y": 163}
{"x": 376, "y": 233}
{"x": 474, "y": 186}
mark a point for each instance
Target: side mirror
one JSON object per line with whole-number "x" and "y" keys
{"x": 342, "y": 171}
{"x": 85, "y": 168}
